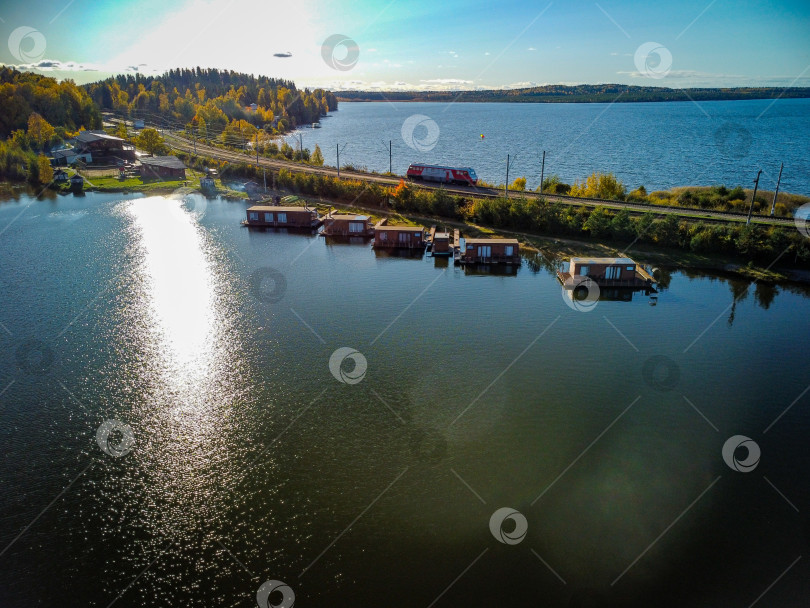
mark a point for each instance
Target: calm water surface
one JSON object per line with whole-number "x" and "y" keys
{"x": 252, "y": 462}
{"x": 658, "y": 145}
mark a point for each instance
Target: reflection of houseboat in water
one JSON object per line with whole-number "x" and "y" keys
{"x": 496, "y": 270}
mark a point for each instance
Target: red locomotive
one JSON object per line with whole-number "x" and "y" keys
{"x": 461, "y": 176}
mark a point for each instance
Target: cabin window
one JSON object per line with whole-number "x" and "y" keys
{"x": 254, "y": 215}
{"x": 356, "y": 226}
{"x": 630, "y": 268}
{"x": 484, "y": 251}
{"x": 584, "y": 270}
{"x": 282, "y": 218}
{"x": 403, "y": 237}
{"x": 509, "y": 250}
{"x": 613, "y": 272}
{"x": 383, "y": 236}
{"x": 268, "y": 217}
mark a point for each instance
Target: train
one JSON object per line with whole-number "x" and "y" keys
{"x": 460, "y": 176}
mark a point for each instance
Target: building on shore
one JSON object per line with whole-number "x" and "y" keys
{"x": 104, "y": 148}
{"x": 490, "y": 251}
{"x": 342, "y": 224}
{"x": 162, "y": 167}
{"x": 282, "y": 217}
{"x": 402, "y": 237}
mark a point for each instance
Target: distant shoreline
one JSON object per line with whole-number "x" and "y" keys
{"x": 608, "y": 93}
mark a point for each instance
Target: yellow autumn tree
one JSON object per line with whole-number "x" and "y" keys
{"x": 40, "y": 131}
{"x": 599, "y": 185}
{"x": 45, "y": 170}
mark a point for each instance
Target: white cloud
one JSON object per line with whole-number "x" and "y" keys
{"x": 531, "y": 48}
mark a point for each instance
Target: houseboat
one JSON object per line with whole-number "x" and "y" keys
{"x": 344, "y": 224}
{"x": 282, "y": 217}
{"x": 607, "y": 272}
{"x": 402, "y": 237}
{"x": 439, "y": 242}
{"x": 490, "y": 251}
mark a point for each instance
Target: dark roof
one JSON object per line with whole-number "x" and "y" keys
{"x": 67, "y": 152}
{"x": 88, "y": 136}
{"x": 172, "y": 162}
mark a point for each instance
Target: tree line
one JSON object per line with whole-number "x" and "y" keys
{"x": 212, "y": 99}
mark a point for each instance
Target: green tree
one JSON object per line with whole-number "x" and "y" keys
{"x": 151, "y": 141}
{"x": 598, "y": 222}
{"x": 317, "y": 156}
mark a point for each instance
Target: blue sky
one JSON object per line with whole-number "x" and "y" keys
{"x": 413, "y": 44}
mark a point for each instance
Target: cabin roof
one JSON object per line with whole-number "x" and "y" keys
{"x": 171, "y": 162}
{"x": 281, "y": 209}
{"x": 491, "y": 241}
{"x": 88, "y": 136}
{"x": 348, "y": 216}
{"x": 626, "y": 261}
{"x": 441, "y": 235}
{"x": 400, "y": 228}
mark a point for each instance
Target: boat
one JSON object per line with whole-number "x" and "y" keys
{"x": 316, "y": 125}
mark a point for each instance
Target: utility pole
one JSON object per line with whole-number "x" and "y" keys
{"x": 776, "y": 192}
{"x": 194, "y": 135}
{"x": 301, "y": 146}
{"x": 506, "y": 185}
{"x": 542, "y": 171}
{"x": 257, "y": 147}
{"x": 389, "y": 158}
{"x": 753, "y": 197}
{"x": 337, "y": 147}
{"x": 264, "y": 173}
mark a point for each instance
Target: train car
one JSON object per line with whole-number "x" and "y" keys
{"x": 461, "y": 176}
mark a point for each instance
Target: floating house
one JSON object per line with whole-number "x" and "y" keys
{"x": 490, "y": 251}
{"x": 282, "y": 217}
{"x": 162, "y": 167}
{"x": 77, "y": 183}
{"x": 347, "y": 225}
{"x": 439, "y": 242}
{"x": 404, "y": 237}
{"x": 607, "y": 272}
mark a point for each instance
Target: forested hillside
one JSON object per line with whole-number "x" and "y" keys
{"x": 211, "y": 99}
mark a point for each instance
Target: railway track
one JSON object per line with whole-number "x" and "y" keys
{"x": 178, "y": 142}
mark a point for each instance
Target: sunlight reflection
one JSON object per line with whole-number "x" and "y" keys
{"x": 180, "y": 277}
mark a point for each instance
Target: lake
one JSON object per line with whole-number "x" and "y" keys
{"x": 658, "y": 145}
{"x": 191, "y": 408}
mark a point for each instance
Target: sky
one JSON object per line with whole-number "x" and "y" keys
{"x": 419, "y": 45}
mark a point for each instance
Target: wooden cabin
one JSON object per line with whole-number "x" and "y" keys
{"x": 607, "y": 272}
{"x": 282, "y": 217}
{"x": 488, "y": 251}
{"x": 162, "y": 167}
{"x": 404, "y": 237}
{"x": 347, "y": 225}
{"x": 77, "y": 183}
{"x": 207, "y": 184}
